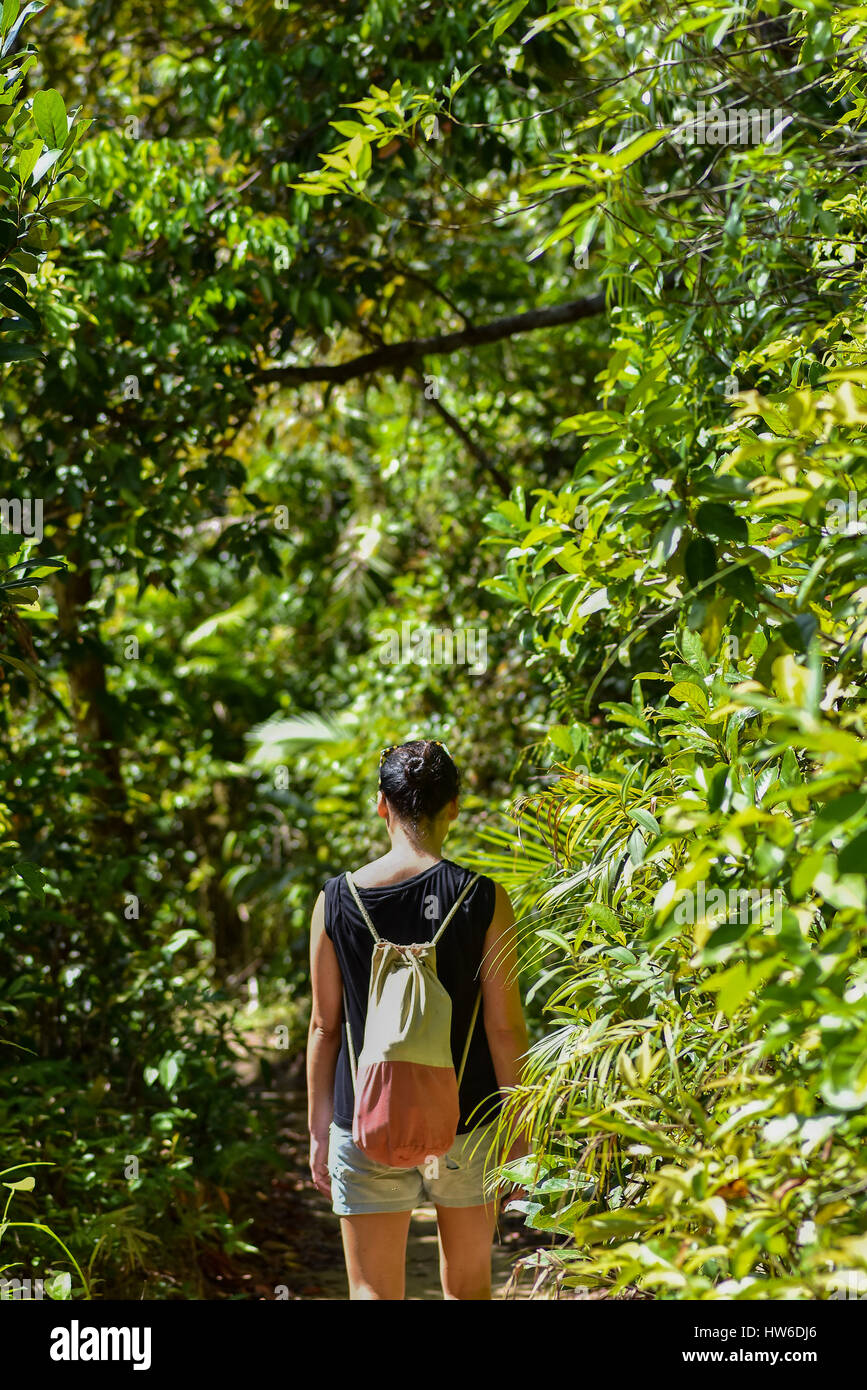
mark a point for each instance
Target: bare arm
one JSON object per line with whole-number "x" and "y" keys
{"x": 323, "y": 1043}
{"x": 505, "y": 1027}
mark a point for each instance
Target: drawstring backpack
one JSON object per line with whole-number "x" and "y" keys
{"x": 406, "y": 1091}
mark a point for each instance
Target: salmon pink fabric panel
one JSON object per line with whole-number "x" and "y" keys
{"x": 405, "y": 1112}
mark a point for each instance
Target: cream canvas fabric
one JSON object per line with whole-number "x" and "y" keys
{"x": 406, "y": 1091}
{"x": 409, "y": 1013}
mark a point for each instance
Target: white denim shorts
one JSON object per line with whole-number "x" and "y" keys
{"x": 360, "y": 1187}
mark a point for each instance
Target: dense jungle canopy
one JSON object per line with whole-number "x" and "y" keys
{"x": 541, "y": 328}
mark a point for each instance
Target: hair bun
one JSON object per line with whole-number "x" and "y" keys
{"x": 418, "y": 779}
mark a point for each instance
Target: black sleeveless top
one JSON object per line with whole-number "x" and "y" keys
{"x": 405, "y": 913}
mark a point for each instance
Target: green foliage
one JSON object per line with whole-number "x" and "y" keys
{"x": 652, "y": 509}
{"x": 38, "y": 150}
{"x": 59, "y": 1284}
{"x": 699, "y": 1103}
{"x": 163, "y": 836}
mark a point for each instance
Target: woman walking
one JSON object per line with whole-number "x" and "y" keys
{"x": 406, "y": 897}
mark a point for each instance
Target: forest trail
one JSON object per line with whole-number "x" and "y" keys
{"x": 298, "y": 1237}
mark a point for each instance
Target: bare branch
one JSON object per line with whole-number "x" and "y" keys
{"x": 397, "y": 356}
{"x": 470, "y": 444}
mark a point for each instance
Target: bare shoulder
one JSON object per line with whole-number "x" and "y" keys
{"x": 389, "y": 870}
{"x": 504, "y": 915}
{"x": 372, "y": 875}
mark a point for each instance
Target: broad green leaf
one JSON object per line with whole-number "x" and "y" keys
{"x": 49, "y": 117}
{"x": 27, "y": 161}
{"x": 507, "y": 16}
{"x": 32, "y": 877}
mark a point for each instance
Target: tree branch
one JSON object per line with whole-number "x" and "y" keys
{"x": 397, "y": 356}
{"x": 467, "y": 440}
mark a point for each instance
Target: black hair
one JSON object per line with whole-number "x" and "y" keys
{"x": 418, "y": 779}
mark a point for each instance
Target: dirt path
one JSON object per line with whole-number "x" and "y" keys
{"x": 311, "y": 1231}
{"x": 298, "y": 1236}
